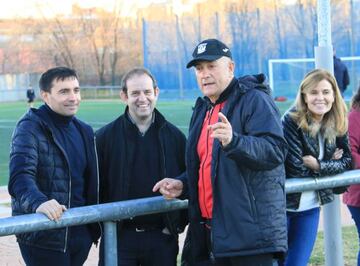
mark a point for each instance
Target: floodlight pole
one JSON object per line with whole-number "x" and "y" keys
{"x": 331, "y": 212}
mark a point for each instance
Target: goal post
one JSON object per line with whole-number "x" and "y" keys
{"x": 285, "y": 75}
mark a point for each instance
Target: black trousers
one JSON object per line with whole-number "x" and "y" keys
{"x": 79, "y": 244}
{"x": 148, "y": 248}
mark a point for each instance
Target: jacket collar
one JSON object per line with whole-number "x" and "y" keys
{"x": 157, "y": 119}
{"x": 48, "y": 124}
{"x": 224, "y": 95}
{"x": 41, "y": 117}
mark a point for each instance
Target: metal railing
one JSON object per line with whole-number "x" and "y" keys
{"x": 109, "y": 213}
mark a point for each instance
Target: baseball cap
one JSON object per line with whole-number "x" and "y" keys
{"x": 209, "y": 50}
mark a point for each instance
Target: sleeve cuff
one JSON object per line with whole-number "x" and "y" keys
{"x": 234, "y": 140}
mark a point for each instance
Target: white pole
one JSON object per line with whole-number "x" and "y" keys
{"x": 331, "y": 211}
{"x": 271, "y": 77}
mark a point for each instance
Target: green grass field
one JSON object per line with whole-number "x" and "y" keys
{"x": 97, "y": 113}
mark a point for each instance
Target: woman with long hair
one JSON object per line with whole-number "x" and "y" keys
{"x": 316, "y": 131}
{"x": 352, "y": 197}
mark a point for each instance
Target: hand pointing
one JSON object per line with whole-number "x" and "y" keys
{"x": 222, "y": 130}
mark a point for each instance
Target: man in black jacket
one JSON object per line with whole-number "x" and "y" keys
{"x": 53, "y": 168}
{"x": 135, "y": 151}
{"x": 341, "y": 74}
{"x": 234, "y": 167}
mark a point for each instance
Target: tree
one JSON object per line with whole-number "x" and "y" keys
{"x": 303, "y": 17}
{"x": 243, "y": 19}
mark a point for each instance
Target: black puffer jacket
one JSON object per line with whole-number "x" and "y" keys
{"x": 247, "y": 176}
{"x": 39, "y": 171}
{"x": 302, "y": 144}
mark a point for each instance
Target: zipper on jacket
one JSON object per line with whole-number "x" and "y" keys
{"x": 167, "y": 218}
{"x": 97, "y": 172}
{"x": 98, "y": 186}
{"x": 216, "y": 163}
{"x": 252, "y": 200}
{"x": 69, "y": 198}
{"x": 206, "y": 155}
{"x": 69, "y": 204}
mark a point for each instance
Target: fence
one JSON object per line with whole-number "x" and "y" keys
{"x": 13, "y": 86}
{"x": 113, "y": 92}
{"x": 109, "y": 213}
{"x": 101, "y": 92}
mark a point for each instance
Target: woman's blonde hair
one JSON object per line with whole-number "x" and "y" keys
{"x": 334, "y": 122}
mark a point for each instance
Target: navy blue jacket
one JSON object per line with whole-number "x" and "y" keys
{"x": 39, "y": 171}
{"x": 341, "y": 74}
{"x": 116, "y": 149}
{"x": 248, "y": 176}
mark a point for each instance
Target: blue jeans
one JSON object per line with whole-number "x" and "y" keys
{"x": 355, "y": 214}
{"x": 302, "y": 231}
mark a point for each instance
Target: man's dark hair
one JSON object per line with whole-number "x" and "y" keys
{"x": 55, "y": 74}
{"x": 139, "y": 71}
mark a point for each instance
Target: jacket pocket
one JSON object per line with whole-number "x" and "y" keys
{"x": 252, "y": 201}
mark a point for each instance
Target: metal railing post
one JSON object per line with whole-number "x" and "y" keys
{"x": 110, "y": 245}
{"x": 332, "y": 233}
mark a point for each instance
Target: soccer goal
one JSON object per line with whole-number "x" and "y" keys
{"x": 285, "y": 75}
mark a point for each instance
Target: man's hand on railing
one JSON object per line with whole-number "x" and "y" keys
{"x": 170, "y": 188}
{"x": 52, "y": 209}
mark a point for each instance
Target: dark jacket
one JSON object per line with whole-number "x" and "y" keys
{"x": 247, "y": 176}
{"x": 341, "y": 74}
{"x": 39, "y": 171}
{"x": 302, "y": 144}
{"x": 116, "y": 150}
